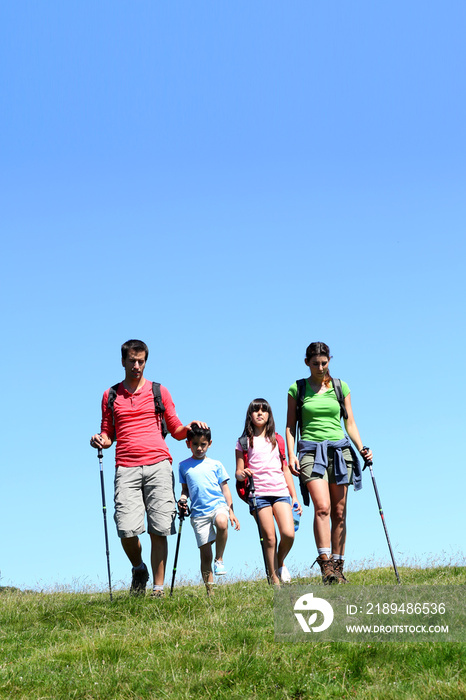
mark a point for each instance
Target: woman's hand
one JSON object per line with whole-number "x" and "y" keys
{"x": 366, "y": 454}
{"x": 293, "y": 464}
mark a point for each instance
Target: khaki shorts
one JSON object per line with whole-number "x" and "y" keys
{"x": 203, "y": 525}
{"x": 307, "y": 465}
{"x": 140, "y": 490}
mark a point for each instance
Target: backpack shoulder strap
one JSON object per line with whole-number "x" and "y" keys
{"x": 159, "y": 407}
{"x": 244, "y": 442}
{"x": 112, "y": 392}
{"x": 281, "y": 448}
{"x": 341, "y": 399}
{"x": 301, "y": 385}
{"x": 243, "y": 487}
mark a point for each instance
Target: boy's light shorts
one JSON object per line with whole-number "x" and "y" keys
{"x": 307, "y": 464}
{"x": 203, "y": 525}
{"x": 140, "y": 490}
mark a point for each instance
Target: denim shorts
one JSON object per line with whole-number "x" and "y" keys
{"x": 266, "y": 501}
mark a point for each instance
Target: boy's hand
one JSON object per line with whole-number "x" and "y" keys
{"x": 183, "y": 505}
{"x": 234, "y": 520}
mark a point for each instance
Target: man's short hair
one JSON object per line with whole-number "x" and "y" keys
{"x": 195, "y": 431}
{"x": 136, "y": 345}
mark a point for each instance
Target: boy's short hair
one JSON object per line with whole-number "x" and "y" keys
{"x": 196, "y": 430}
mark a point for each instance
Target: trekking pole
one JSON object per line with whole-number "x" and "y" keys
{"x": 254, "y": 505}
{"x": 181, "y": 514}
{"x": 104, "y": 509}
{"x": 369, "y": 464}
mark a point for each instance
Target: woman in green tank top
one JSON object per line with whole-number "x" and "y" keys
{"x": 327, "y": 458}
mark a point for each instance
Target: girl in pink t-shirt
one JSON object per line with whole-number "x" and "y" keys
{"x": 274, "y": 487}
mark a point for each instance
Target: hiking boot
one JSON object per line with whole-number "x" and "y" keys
{"x": 338, "y": 570}
{"x": 157, "y": 594}
{"x": 326, "y": 567}
{"x": 140, "y": 579}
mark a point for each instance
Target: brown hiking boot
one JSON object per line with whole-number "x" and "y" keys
{"x": 338, "y": 570}
{"x": 157, "y": 594}
{"x": 326, "y": 567}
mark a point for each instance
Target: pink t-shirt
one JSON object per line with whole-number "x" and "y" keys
{"x": 266, "y": 467}
{"x": 138, "y": 428}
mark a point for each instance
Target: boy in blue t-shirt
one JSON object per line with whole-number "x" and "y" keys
{"x": 204, "y": 480}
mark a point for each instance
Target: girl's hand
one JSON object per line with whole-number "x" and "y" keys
{"x": 243, "y": 474}
{"x": 300, "y": 508}
{"x": 294, "y": 465}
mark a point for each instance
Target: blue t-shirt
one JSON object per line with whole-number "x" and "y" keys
{"x": 203, "y": 478}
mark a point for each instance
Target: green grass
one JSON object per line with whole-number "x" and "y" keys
{"x": 80, "y": 645}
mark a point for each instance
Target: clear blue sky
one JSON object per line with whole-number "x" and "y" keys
{"x": 229, "y": 182}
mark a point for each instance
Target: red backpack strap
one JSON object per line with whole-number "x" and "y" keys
{"x": 243, "y": 487}
{"x": 281, "y": 448}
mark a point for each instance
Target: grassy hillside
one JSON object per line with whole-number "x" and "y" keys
{"x": 76, "y": 645}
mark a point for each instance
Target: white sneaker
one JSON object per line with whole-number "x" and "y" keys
{"x": 284, "y": 574}
{"x": 219, "y": 568}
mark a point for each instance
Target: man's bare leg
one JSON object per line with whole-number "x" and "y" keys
{"x": 133, "y": 549}
{"x": 158, "y": 558}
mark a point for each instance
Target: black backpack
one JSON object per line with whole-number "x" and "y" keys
{"x": 158, "y": 403}
{"x": 301, "y": 384}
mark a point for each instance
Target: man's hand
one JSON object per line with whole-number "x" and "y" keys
{"x": 100, "y": 441}
{"x": 199, "y": 423}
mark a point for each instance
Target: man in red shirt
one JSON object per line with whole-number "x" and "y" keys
{"x": 144, "y": 477}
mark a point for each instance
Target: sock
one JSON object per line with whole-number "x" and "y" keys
{"x": 140, "y": 567}
{"x": 338, "y": 557}
{"x": 324, "y": 550}
{"x": 157, "y": 588}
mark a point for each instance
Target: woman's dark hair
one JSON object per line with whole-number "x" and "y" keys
{"x": 249, "y": 426}
{"x": 315, "y": 349}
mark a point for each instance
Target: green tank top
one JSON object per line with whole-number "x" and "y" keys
{"x": 321, "y": 413}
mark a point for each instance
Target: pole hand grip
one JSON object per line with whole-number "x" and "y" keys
{"x": 367, "y": 462}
